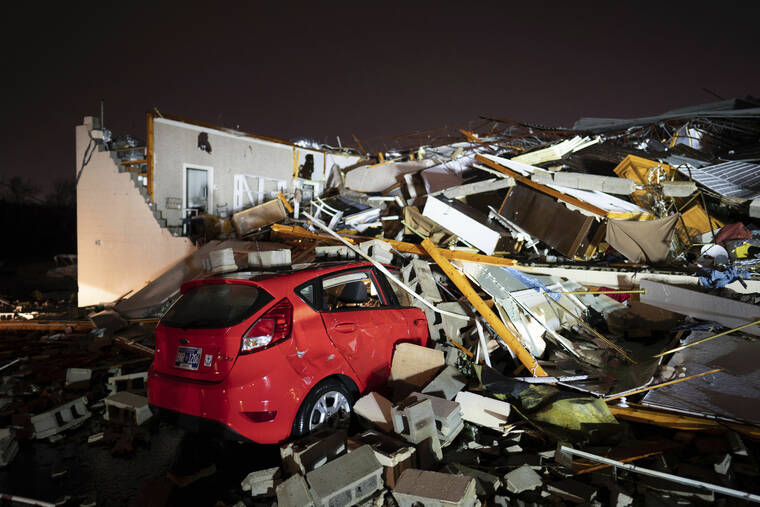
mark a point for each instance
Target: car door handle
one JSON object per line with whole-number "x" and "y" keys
{"x": 345, "y": 327}
{"x": 419, "y": 322}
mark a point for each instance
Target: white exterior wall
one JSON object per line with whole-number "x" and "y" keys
{"x": 120, "y": 245}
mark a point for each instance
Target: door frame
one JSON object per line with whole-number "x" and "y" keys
{"x": 210, "y": 172}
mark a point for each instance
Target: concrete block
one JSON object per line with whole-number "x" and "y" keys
{"x": 346, "y": 480}
{"x": 294, "y": 492}
{"x": 134, "y": 383}
{"x": 222, "y": 261}
{"x": 754, "y": 208}
{"x": 447, "y": 414}
{"x": 75, "y": 375}
{"x": 724, "y": 465}
{"x": 334, "y": 252}
{"x": 451, "y": 325}
{"x": 413, "y": 366}
{"x": 482, "y": 410}
{"x": 394, "y": 454}
{"x": 262, "y": 482}
{"x": 485, "y": 484}
{"x": 522, "y": 479}
{"x": 378, "y": 250}
{"x": 312, "y": 451}
{"x": 446, "y": 384}
{"x": 415, "y": 422}
{"x": 127, "y": 408}
{"x": 375, "y": 408}
{"x": 269, "y": 259}
{"x": 421, "y": 487}
{"x": 67, "y": 416}
{"x": 572, "y": 491}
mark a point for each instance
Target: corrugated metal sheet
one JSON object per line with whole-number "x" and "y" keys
{"x": 732, "y": 179}
{"x": 732, "y": 393}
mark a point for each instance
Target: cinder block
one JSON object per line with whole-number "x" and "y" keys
{"x": 74, "y": 375}
{"x": 378, "y": 250}
{"x": 262, "y": 482}
{"x": 421, "y": 487}
{"x": 347, "y": 480}
{"x": 67, "y": 416}
{"x": 482, "y": 410}
{"x": 446, "y": 384}
{"x": 413, "y": 366}
{"x": 222, "y": 261}
{"x": 127, "y": 408}
{"x": 269, "y": 258}
{"x": 375, "y": 408}
{"x": 134, "y": 383}
{"x": 394, "y": 454}
{"x": 522, "y": 479}
{"x": 312, "y": 451}
{"x": 294, "y": 492}
{"x": 415, "y": 422}
{"x": 448, "y": 416}
{"x": 334, "y": 252}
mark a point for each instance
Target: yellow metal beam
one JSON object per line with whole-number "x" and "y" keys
{"x": 401, "y": 246}
{"x": 465, "y": 288}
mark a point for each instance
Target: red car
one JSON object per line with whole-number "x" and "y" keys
{"x": 277, "y": 355}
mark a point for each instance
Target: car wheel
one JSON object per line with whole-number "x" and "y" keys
{"x": 328, "y": 398}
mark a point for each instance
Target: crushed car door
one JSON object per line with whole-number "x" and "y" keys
{"x": 361, "y": 323}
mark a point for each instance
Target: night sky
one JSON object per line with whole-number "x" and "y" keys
{"x": 340, "y": 68}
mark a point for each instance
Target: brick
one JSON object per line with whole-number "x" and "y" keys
{"x": 421, "y": 487}
{"x": 346, "y": 480}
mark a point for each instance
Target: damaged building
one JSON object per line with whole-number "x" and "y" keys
{"x": 502, "y": 314}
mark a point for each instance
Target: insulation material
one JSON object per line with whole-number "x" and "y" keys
{"x": 642, "y": 242}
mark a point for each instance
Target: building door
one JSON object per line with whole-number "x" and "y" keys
{"x": 197, "y": 189}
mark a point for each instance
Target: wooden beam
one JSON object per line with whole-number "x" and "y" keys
{"x": 133, "y": 162}
{"x": 41, "y": 325}
{"x": 466, "y": 289}
{"x": 541, "y": 188}
{"x": 301, "y": 233}
{"x": 149, "y": 151}
{"x": 646, "y": 415}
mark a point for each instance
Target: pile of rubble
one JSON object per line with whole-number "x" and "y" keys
{"x": 591, "y": 297}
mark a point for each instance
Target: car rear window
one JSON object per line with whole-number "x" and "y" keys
{"x": 216, "y": 305}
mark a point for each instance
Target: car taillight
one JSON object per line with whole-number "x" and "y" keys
{"x": 272, "y": 327}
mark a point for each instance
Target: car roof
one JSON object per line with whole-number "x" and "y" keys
{"x": 296, "y": 276}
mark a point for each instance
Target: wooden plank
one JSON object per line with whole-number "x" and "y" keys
{"x": 466, "y": 288}
{"x": 149, "y": 151}
{"x": 646, "y": 415}
{"x": 41, "y": 325}
{"x": 133, "y": 162}
{"x": 541, "y": 188}
{"x": 301, "y": 233}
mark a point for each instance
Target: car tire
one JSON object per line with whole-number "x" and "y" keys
{"x": 324, "y": 400}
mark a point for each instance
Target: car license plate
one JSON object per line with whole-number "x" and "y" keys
{"x": 188, "y": 358}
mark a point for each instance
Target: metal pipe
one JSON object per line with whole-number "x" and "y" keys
{"x": 724, "y": 333}
{"x": 662, "y": 475}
